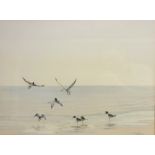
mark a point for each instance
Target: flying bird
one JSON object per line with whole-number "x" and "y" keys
{"x": 40, "y": 116}
{"x": 109, "y": 115}
{"x": 68, "y": 88}
{"x": 32, "y": 84}
{"x": 55, "y": 101}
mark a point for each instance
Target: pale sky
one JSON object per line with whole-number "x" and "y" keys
{"x": 94, "y": 52}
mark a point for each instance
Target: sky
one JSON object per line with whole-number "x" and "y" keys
{"x": 94, "y": 52}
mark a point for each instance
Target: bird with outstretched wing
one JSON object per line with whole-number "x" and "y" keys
{"x": 68, "y": 88}
{"x": 40, "y": 116}
{"x": 31, "y": 84}
{"x": 55, "y": 101}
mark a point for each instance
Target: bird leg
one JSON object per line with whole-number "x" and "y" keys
{"x": 82, "y": 122}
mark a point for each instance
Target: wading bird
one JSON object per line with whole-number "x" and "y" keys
{"x": 55, "y": 101}
{"x": 83, "y": 119}
{"x": 109, "y": 115}
{"x": 77, "y": 120}
{"x": 68, "y": 88}
{"x": 40, "y": 116}
{"x": 31, "y": 84}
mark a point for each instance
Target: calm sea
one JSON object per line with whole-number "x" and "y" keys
{"x": 134, "y": 107}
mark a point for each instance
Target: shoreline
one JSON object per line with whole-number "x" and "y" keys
{"x": 143, "y": 130}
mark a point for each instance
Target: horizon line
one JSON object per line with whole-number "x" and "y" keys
{"x": 83, "y": 85}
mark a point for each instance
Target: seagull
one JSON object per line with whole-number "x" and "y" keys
{"x": 40, "y": 116}
{"x": 109, "y": 115}
{"x": 77, "y": 119}
{"x": 68, "y": 88}
{"x": 32, "y": 84}
{"x": 82, "y": 119}
{"x": 55, "y": 101}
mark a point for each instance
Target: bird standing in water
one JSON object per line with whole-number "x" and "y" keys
{"x": 82, "y": 119}
{"x": 109, "y": 115}
{"x": 77, "y": 120}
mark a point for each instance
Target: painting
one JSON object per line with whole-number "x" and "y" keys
{"x": 89, "y": 77}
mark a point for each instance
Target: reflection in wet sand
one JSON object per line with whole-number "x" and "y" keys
{"x": 38, "y": 127}
{"x": 110, "y": 126}
{"x": 133, "y": 107}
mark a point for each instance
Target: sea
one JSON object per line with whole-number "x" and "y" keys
{"x": 132, "y": 105}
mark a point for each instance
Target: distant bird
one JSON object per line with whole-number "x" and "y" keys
{"x": 55, "y": 101}
{"x": 32, "y": 84}
{"x": 82, "y": 119}
{"x": 109, "y": 115}
{"x": 77, "y": 120}
{"x": 40, "y": 116}
{"x": 68, "y": 88}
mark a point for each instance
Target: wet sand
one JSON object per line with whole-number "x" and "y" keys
{"x": 85, "y": 130}
{"x": 133, "y": 107}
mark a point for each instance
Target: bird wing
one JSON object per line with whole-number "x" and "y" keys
{"x": 43, "y": 116}
{"x": 111, "y": 115}
{"x": 71, "y": 85}
{"x": 59, "y": 103}
{"x": 60, "y": 83}
{"x": 82, "y": 117}
{"x": 30, "y": 83}
{"x": 36, "y": 115}
{"x": 39, "y": 85}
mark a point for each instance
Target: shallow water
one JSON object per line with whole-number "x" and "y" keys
{"x": 134, "y": 107}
